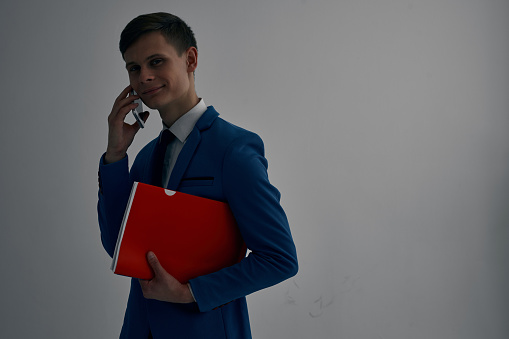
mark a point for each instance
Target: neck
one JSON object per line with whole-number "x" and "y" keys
{"x": 171, "y": 114}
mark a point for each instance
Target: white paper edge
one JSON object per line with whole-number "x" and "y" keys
{"x": 122, "y": 227}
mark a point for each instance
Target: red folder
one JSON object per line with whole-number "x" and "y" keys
{"x": 190, "y": 235}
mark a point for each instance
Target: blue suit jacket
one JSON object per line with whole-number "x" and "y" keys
{"x": 223, "y": 162}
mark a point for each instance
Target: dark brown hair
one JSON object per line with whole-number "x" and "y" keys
{"x": 176, "y": 31}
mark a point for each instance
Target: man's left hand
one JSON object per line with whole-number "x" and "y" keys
{"x": 163, "y": 286}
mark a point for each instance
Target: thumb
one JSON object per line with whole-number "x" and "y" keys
{"x": 154, "y": 263}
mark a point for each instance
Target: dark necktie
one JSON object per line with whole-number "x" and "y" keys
{"x": 160, "y": 151}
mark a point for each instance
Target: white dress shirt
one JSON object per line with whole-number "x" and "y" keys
{"x": 181, "y": 129}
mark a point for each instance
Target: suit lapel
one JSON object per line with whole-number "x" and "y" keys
{"x": 187, "y": 152}
{"x": 149, "y": 168}
{"x": 184, "y": 158}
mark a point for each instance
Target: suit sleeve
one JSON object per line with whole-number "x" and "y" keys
{"x": 114, "y": 189}
{"x": 255, "y": 204}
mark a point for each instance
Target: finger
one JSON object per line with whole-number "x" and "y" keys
{"x": 135, "y": 126}
{"x": 154, "y": 263}
{"x": 127, "y": 102}
{"x": 123, "y": 104}
{"x": 124, "y": 98}
{"x": 124, "y": 93}
{"x": 124, "y": 109}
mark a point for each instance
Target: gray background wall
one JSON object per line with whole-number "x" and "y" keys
{"x": 386, "y": 127}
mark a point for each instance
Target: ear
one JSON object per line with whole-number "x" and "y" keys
{"x": 192, "y": 59}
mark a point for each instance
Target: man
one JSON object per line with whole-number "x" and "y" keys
{"x": 207, "y": 157}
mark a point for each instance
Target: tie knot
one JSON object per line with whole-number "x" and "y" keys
{"x": 166, "y": 137}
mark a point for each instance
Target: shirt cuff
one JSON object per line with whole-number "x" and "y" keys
{"x": 191, "y": 290}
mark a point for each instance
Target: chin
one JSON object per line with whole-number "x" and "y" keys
{"x": 151, "y": 104}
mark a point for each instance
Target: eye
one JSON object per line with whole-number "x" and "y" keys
{"x": 156, "y": 62}
{"x": 133, "y": 68}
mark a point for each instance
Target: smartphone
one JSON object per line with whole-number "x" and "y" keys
{"x": 139, "y": 109}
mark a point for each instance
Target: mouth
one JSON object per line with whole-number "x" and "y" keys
{"x": 152, "y": 90}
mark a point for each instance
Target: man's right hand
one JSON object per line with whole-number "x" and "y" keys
{"x": 120, "y": 133}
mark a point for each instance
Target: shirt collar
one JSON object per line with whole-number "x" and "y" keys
{"x": 185, "y": 124}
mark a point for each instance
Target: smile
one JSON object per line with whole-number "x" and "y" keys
{"x": 152, "y": 90}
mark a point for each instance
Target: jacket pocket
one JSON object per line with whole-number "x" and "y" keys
{"x": 197, "y": 181}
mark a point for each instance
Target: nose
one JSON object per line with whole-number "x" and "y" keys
{"x": 146, "y": 75}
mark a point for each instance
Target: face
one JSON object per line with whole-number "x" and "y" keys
{"x": 161, "y": 77}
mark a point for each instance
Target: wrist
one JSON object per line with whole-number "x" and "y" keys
{"x": 187, "y": 296}
{"x": 111, "y": 157}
